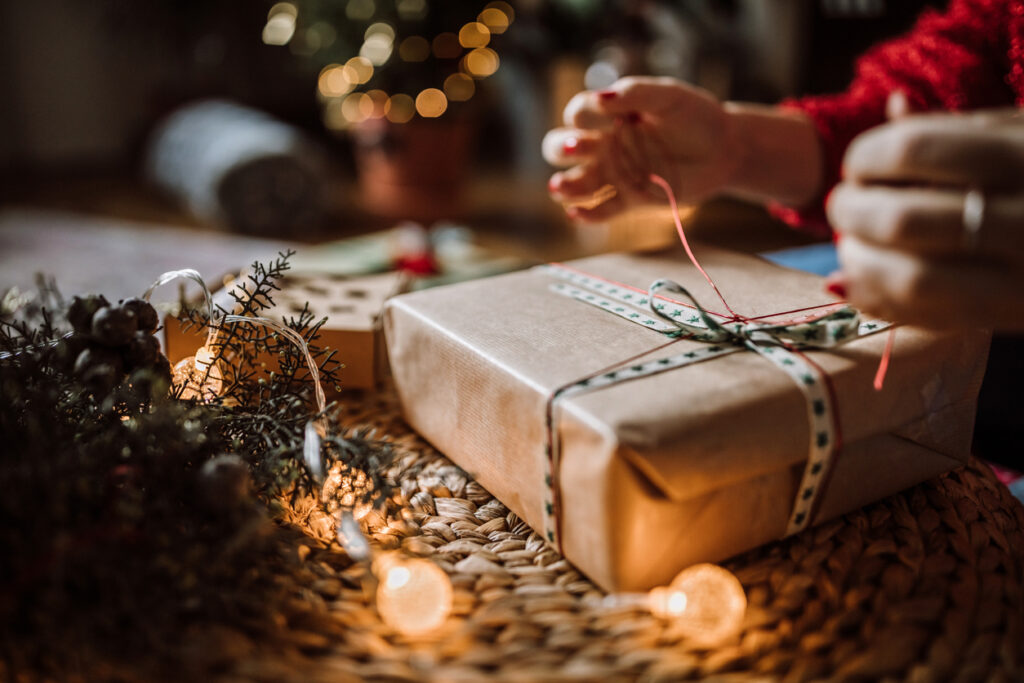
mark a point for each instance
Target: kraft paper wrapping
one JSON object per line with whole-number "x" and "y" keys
{"x": 696, "y": 464}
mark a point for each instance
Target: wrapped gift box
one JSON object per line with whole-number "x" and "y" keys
{"x": 694, "y": 464}
{"x": 352, "y": 306}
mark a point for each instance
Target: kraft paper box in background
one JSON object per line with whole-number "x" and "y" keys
{"x": 352, "y": 306}
{"x": 694, "y": 464}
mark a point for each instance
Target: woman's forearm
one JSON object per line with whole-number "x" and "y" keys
{"x": 782, "y": 156}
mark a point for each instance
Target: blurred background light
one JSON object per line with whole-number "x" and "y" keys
{"x": 431, "y": 103}
{"x": 360, "y": 10}
{"x": 411, "y": 10}
{"x": 459, "y": 87}
{"x": 377, "y": 48}
{"x": 446, "y": 46}
{"x": 334, "y": 81}
{"x": 474, "y": 34}
{"x": 359, "y": 70}
{"x": 504, "y": 8}
{"x": 356, "y": 107}
{"x": 494, "y": 19}
{"x": 399, "y": 108}
{"x": 379, "y": 101}
{"x": 414, "y": 49}
{"x": 280, "y": 26}
{"x": 481, "y": 62}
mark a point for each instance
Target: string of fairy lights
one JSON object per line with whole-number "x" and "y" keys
{"x": 340, "y": 86}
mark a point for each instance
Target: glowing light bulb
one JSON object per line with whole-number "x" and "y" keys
{"x": 666, "y": 602}
{"x": 705, "y": 602}
{"x": 414, "y": 596}
{"x": 198, "y": 376}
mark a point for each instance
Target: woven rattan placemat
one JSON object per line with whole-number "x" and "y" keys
{"x": 923, "y": 586}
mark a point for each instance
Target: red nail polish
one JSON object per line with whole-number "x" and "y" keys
{"x": 606, "y": 95}
{"x": 836, "y": 289}
{"x": 570, "y": 146}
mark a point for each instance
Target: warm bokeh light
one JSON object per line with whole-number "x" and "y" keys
{"x": 362, "y": 70}
{"x": 360, "y": 10}
{"x": 431, "y": 103}
{"x": 705, "y": 602}
{"x": 334, "y": 81}
{"x": 494, "y": 19}
{"x": 356, "y": 107}
{"x": 334, "y": 117}
{"x": 414, "y": 596}
{"x": 400, "y": 108}
{"x": 481, "y": 62}
{"x": 379, "y": 101}
{"x": 381, "y": 28}
{"x": 504, "y": 8}
{"x": 411, "y": 10}
{"x": 446, "y": 46}
{"x": 414, "y": 49}
{"x": 459, "y": 87}
{"x": 377, "y": 48}
{"x": 474, "y": 34}
{"x": 666, "y": 602}
{"x": 280, "y": 26}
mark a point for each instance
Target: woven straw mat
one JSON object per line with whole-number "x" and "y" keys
{"x": 923, "y": 586}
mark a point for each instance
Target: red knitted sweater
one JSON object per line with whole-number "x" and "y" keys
{"x": 969, "y": 56}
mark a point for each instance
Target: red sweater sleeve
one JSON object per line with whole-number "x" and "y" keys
{"x": 951, "y": 60}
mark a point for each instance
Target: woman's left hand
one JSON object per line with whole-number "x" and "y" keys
{"x": 910, "y": 192}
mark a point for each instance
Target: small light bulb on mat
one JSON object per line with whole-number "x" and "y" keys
{"x": 414, "y": 596}
{"x": 705, "y": 602}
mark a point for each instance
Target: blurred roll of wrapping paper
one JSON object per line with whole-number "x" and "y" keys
{"x": 236, "y": 166}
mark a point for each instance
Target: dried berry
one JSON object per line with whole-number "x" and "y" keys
{"x": 101, "y": 379}
{"x": 113, "y": 325}
{"x": 98, "y": 356}
{"x": 145, "y": 315}
{"x": 81, "y": 311}
{"x": 68, "y": 349}
{"x": 224, "y": 482}
{"x": 142, "y": 350}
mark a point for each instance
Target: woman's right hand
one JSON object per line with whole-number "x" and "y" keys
{"x": 618, "y": 137}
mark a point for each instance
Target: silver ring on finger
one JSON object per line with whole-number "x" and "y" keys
{"x": 973, "y": 218}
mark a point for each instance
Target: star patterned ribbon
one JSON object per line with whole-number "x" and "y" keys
{"x": 778, "y": 342}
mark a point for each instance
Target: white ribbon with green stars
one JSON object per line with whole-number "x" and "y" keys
{"x": 779, "y": 343}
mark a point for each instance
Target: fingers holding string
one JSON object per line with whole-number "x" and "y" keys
{"x": 564, "y": 147}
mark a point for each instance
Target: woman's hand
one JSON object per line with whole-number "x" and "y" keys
{"x": 616, "y": 138}
{"x": 613, "y": 140}
{"x": 907, "y": 249}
